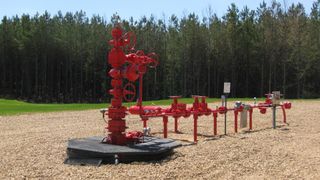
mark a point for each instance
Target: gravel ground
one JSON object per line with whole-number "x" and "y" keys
{"x": 34, "y": 146}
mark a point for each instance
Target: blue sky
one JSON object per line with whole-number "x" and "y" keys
{"x": 128, "y": 8}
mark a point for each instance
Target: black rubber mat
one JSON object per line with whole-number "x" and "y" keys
{"x": 90, "y": 151}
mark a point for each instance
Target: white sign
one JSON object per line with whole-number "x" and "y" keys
{"x": 226, "y": 87}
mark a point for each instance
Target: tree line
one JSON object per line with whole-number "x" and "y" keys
{"x": 62, "y": 58}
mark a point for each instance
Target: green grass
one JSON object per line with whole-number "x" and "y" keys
{"x": 14, "y": 107}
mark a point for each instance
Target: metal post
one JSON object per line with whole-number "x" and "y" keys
{"x": 175, "y": 124}
{"x": 235, "y": 121}
{"x": 274, "y": 115}
{"x": 215, "y": 114}
{"x": 284, "y": 114}
{"x": 195, "y": 125}
{"x": 225, "y": 115}
{"x": 226, "y": 91}
{"x": 144, "y": 123}
{"x": 165, "y": 126}
{"x": 250, "y": 118}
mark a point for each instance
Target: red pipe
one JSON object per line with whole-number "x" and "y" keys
{"x": 250, "y": 118}
{"x": 175, "y": 124}
{"x": 140, "y": 97}
{"x": 195, "y": 132}
{"x": 165, "y": 126}
{"x": 215, "y": 115}
{"x": 140, "y": 89}
{"x": 235, "y": 121}
{"x": 284, "y": 114}
{"x": 144, "y": 123}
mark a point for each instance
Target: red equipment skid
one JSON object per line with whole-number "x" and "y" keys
{"x": 132, "y": 67}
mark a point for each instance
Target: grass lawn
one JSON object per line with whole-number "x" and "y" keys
{"x": 13, "y": 107}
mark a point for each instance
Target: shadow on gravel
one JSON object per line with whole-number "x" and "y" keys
{"x": 268, "y": 128}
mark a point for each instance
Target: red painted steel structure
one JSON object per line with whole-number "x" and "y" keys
{"x": 132, "y": 67}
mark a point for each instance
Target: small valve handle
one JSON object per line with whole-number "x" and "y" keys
{"x": 150, "y": 59}
{"x": 130, "y": 40}
{"x": 127, "y": 92}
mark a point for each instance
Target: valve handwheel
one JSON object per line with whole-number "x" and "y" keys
{"x": 129, "y": 90}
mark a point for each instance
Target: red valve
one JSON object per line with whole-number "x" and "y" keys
{"x": 150, "y": 60}
{"x": 127, "y": 92}
{"x": 263, "y": 110}
{"x": 287, "y": 105}
{"x": 116, "y": 57}
{"x": 134, "y": 135}
{"x": 240, "y": 109}
{"x": 131, "y": 72}
{"x": 222, "y": 110}
{"x": 268, "y": 99}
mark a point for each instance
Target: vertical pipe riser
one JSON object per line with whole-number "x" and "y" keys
{"x": 175, "y": 125}
{"x": 165, "y": 126}
{"x": 250, "y": 118}
{"x": 274, "y": 117}
{"x": 215, "y": 115}
{"x": 195, "y": 128}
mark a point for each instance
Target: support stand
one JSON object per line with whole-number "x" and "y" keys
{"x": 195, "y": 126}
{"x": 225, "y": 114}
{"x": 215, "y": 115}
{"x": 175, "y": 124}
{"x": 274, "y": 108}
{"x": 250, "y": 118}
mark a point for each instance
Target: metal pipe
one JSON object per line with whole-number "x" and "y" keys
{"x": 215, "y": 115}
{"x": 144, "y": 123}
{"x": 195, "y": 126}
{"x": 225, "y": 116}
{"x": 274, "y": 116}
{"x": 284, "y": 114}
{"x": 175, "y": 124}
{"x": 235, "y": 121}
{"x": 250, "y": 118}
{"x": 165, "y": 126}
{"x": 140, "y": 94}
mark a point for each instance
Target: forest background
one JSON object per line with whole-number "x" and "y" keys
{"x": 62, "y": 57}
